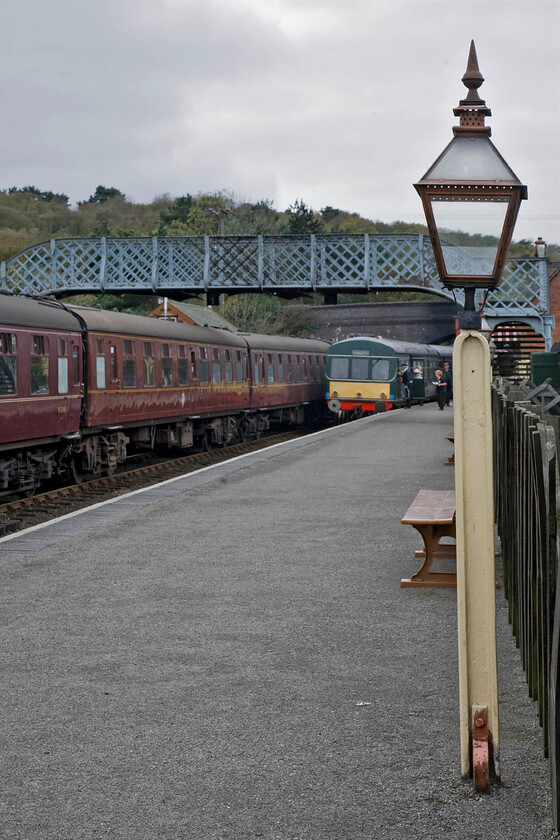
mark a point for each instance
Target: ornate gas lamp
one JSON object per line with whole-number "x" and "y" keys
{"x": 471, "y": 188}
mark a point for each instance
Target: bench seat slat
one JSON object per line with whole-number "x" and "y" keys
{"x": 431, "y": 507}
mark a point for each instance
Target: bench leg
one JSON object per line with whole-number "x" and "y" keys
{"x": 432, "y": 534}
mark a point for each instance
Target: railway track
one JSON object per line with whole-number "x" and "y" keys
{"x": 18, "y": 514}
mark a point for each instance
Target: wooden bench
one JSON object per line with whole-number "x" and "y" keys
{"x": 432, "y": 513}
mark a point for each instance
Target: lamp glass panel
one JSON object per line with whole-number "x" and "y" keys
{"x": 471, "y": 159}
{"x": 483, "y": 220}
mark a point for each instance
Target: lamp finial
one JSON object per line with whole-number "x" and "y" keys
{"x": 473, "y": 78}
{"x": 472, "y": 110}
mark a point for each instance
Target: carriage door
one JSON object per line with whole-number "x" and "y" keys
{"x": 418, "y": 378}
{"x": 69, "y": 378}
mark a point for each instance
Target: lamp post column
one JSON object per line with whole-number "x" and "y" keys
{"x": 476, "y": 610}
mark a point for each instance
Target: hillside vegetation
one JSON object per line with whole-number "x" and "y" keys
{"x": 29, "y": 215}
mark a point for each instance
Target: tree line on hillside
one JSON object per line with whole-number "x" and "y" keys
{"x": 29, "y": 215}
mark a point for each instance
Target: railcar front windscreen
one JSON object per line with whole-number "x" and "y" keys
{"x": 359, "y": 368}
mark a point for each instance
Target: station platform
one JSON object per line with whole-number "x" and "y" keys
{"x": 230, "y": 655}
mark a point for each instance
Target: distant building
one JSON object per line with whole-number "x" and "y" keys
{"x": 554, "y": 292}
{"x": 190, "y": 313}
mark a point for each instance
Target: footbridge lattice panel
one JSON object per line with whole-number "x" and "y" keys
{"x": 290, "y": 264}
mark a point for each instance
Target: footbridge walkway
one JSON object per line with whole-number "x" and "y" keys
{"x": 286, "y": 265}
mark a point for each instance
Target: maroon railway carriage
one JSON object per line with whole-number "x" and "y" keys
{"x": 196, "y": 384}
{"x": 80, "y": 388}
{"x": 40, "y": 387}
{"x": 158, "y": 383}
{"x": 286, "y": 372}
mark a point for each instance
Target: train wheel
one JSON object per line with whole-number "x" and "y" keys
{"x": 75, "y": 472}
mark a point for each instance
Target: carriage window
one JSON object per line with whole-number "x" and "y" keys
{"x": 128, "y": 364}
{"x": 39, "y": 379}
{"x": 311, "y": 369}
{"x": 238, "y": 366}
{"x": 269, "y": 369}
{"x": 290, "y": 370}
{"x": 228, "y": 368}
{"x": 280, "y": 367}
{"x": 149, "y": 364}
{"x": 182, "y": 368}
{"x": 8, "y": 363}
{"x": 418, "y": 368}
{"x": 298, "y": 369}
{"x": 76, "y": 372}
{"x": 166, "y": 366}
{"x": 203, "y": 366}
{"x": 100, "y": 371}
{"x": 113, "y": 362}
{"x": 100, "y": 364}
{"x": 380, "y": 370}
{"x": 338, "y": 367}
{"x": 216, "y": 367}
{"x": 62, "y": 346}
{"x": 62, "y": 375}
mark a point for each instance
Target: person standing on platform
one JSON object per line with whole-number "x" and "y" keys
{"x": 406, "y": 379}
{"x": 441, "y": 389}
{"x": 448, "y": 379}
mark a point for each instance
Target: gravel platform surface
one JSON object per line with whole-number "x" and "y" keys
{"x": 230, "y": 655}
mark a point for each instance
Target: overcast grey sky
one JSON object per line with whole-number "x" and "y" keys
{"x": 336, "y": 102}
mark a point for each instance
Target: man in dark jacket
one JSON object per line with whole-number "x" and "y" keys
{"x": 448, "y": 379}
{"x": 406, "y": 379}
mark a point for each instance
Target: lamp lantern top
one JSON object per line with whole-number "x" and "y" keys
{"x": 472, "y": 110}
{"x": 470, "y": 188}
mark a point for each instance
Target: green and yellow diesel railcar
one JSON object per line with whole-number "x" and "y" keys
{"x": 363, "y": 374}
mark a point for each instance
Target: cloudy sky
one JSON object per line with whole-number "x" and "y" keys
{"x": 336, "y": 102}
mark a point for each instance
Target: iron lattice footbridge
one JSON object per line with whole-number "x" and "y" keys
{"x": 287, "y": 265}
